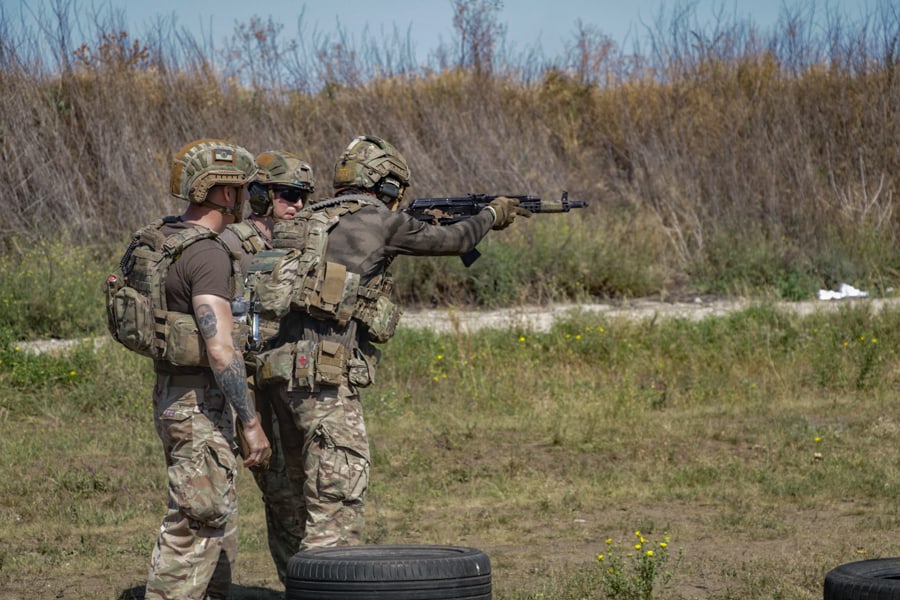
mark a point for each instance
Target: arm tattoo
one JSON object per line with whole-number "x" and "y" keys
{"x": 232, "y": 381}
{"x": 206, "y": 321}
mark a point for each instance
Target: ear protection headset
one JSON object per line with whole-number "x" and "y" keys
{"x": 388, "y": 189}
{"x": 261, "y": 198}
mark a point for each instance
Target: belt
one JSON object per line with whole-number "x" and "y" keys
{"x": 189, "y": 381}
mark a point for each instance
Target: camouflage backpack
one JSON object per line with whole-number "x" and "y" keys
{"x": 136, "y": 309}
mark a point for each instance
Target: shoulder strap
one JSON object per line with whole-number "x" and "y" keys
{"x": 248, "y": 236}
{"x": 161, "y": 251}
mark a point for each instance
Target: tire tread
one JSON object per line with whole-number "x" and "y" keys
{"x": 398, "y": 572}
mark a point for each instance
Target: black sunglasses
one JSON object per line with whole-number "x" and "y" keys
{"x": 290, "y": 194}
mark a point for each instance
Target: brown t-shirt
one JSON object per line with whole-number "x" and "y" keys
{"x": 204, "y": 267}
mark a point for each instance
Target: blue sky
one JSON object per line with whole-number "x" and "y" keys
{"x": 550, "y": 23}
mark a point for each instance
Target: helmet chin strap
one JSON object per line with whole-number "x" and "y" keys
{"x": 235, "y": 211}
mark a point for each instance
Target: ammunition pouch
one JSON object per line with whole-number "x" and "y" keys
{"x": 377, "y": 312}
{"x": 328, "y": 294}
{"x": 184, "y": 344}
{"x": 331, "y": 363}
{"x": 129, "y": 317}
{"x": 361, "y": 368}
{"x": 307, "y": 365}
{"x": 275, "y": 366}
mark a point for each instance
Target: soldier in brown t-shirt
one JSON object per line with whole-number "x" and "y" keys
{"x": 195, "y": 405}
{"x": 322, "y": 429}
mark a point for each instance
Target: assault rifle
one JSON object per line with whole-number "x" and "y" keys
{"x": 445, "y": 211}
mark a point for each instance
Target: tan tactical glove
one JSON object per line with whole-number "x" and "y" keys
{"x": 505, "y": 211}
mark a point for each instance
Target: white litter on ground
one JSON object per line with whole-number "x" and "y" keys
{"x": 844, "y": 291}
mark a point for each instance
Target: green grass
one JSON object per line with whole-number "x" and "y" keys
{"x": 52, "y": 289}
{"x": 761, "y": 442}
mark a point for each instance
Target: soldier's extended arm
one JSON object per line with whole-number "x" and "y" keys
{"x": 446, "y": 211}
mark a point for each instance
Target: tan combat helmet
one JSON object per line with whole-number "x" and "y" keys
{"x": 202, "y": 164}
{"x": 371, "y": 164}
{"x": 278, "y": 168}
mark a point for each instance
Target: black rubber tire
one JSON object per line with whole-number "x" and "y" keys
{"x": 877, "y": 579}
{"x": 402, "y": 572}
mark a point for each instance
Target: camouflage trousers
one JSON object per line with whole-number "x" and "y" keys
{"x": 319, "y": 499}
{"x": 197, "y": 545}
{"x": 282, "y": 498}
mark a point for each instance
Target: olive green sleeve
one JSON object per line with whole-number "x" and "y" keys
{"x": 407, "y": 235}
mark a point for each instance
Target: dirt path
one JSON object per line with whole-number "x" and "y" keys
{"x": 541, "y": 318}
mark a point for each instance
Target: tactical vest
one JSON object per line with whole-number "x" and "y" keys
{"x": 302, "y": 280}
{"x": 136, "y": 308}
{"x": 257, "y": 263}
{"x": 248, "y": 237}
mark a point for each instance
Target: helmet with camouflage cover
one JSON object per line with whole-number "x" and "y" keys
{"x": 204, "y": 163}
{"x": 371, "y": 164}
{"x": 278, "y": 168}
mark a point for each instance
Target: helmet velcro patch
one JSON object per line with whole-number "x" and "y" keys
{"x": 223, "y": 155}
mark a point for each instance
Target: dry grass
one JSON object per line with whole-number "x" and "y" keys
{"x": 760, "y": 159}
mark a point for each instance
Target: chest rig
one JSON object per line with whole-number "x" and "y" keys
{"x": 302, "y": 280}
{"x": 258, "y": 260}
